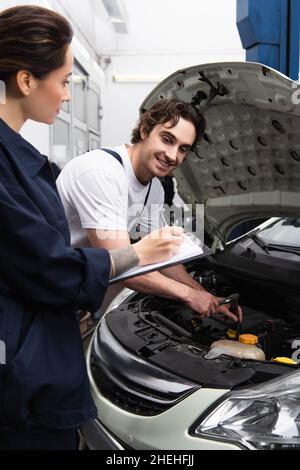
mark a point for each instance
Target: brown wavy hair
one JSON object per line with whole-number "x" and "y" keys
{"x": 34, "y": 39}
{"x": 169, "y": 110}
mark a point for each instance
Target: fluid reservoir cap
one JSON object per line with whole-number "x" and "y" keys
{"x": 248, "y": 339}
{"x": 231, "y": 334}
{"x": 284, "y": 360}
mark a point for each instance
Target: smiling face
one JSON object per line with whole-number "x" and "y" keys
{"x": 46, "y": 96}
{"x": 165, "y": 148}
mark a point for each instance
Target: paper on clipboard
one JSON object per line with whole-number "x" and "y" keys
{"x": 190, "y": 248}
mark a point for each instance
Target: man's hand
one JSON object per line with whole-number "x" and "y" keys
{"x": 202, "y": 302}
{"x": 225, "y": 309}
{"x": 206, "y": 304}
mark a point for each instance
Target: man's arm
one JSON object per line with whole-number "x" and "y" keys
{"x": 180, "y": 274}
{"x": 156, "y": 283}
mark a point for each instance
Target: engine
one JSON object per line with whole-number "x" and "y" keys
{"x": 278, "y": 335}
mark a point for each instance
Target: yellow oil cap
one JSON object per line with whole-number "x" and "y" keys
{"x": 248, "y": 339}
{"x": 231, "y": 334}
{"x": 284, "y": 360}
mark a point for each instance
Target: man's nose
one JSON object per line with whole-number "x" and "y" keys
{"x": 172, "y": 154}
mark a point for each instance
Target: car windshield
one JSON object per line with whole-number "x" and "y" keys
{"x": 283, "y": 232}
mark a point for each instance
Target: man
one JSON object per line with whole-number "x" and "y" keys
{"x": 105, "y": 199}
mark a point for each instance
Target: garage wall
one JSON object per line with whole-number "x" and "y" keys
{"x": 164, "y": 37}
{"x": 84, "y": 47}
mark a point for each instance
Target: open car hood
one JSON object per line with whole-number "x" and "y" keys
{"x": 248, "y": 164}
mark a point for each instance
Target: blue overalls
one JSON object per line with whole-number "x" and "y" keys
{"x": 43, "y": 283}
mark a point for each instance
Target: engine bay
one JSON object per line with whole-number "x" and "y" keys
{"x": 277, "y": 326}
{"x": 171, "y": 336}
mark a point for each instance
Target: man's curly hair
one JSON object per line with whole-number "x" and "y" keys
{"x": 169, "y": 110}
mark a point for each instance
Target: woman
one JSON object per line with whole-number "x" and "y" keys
{"x": 44, "y": 389}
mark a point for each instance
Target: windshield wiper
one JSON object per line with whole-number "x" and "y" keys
{"x": 285, "y": 248}
{"x": 259, "y": 242}
{"x": 272, "y": 246}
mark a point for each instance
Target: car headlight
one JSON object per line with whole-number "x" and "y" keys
{"x": 264, "y": 417}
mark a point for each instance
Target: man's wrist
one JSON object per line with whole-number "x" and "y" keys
{"x": 200, "y": 287}
{"x": 184, "y": 293}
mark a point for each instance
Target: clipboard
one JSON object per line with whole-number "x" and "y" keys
{"x": 190, "y": 249}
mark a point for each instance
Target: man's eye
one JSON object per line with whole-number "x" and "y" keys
{"x": 67, "y": 82}
{"x": 166, "y": 139}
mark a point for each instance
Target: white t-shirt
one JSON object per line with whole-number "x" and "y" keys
{"x": 99, "y": 193}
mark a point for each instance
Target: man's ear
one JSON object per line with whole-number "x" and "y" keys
{"x": 25, "y": 82}
{"x": 144, "y": 132}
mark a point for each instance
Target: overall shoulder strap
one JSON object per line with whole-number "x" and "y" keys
{"x": 117, "y": 157}
{"x": 147, "y": 195}
{"x": 113, "y": 154}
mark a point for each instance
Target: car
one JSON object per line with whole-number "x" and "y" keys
{"x": 156, "y": 379}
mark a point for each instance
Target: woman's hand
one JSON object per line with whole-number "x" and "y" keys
{"x": 159, "y": 246}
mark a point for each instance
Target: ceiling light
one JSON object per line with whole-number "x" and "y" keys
{"x": 137, "y": 78}
{"x": 116, "y": 20}
{"x": 117, "y": 13}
